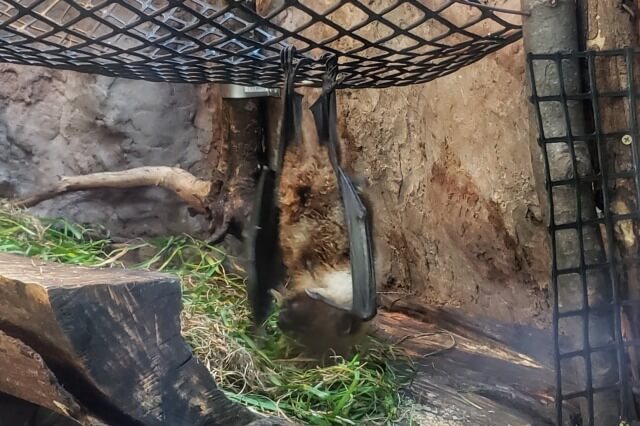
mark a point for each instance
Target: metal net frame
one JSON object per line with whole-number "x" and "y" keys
{"x": 588, "y": 133}
{"x": 378, "y": 43}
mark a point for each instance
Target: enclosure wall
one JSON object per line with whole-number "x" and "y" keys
{"x": 454, "y": 199}
{"x": 64, "y": 123}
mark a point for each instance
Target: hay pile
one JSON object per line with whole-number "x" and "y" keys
{"x": 263, "y": 372}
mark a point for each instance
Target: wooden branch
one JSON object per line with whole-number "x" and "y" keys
{"x": 189, "y": 188}
{"x": 112, "y": 339}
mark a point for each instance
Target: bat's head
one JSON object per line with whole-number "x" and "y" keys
{"x": 316, "y": 323}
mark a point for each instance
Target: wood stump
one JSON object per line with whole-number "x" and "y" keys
{"x": 103, "y": 346}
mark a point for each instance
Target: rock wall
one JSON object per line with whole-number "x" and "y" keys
{"x": 456, "y": 211}
{"x": 64, "y": 123}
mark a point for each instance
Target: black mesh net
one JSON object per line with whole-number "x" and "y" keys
{"x": 379, "y": 43}
{"x": 587, "y": 110}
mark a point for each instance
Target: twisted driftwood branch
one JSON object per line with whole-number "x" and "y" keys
{"x": 189, "y": 188}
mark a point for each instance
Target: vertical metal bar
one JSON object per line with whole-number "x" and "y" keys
{"x": 556, "y": 306}
{"x": 583, "y": 276}
{"x": 608, "y": 220}
{"x": 629, "y": 58}
{"x": 552, "y": 235}
{"x": 634, "y": 120}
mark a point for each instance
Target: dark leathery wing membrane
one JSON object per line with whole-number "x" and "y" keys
{"x": 265, "y": 258}
{"x": 266, "y": 269}
{"x": 364, "y": 305}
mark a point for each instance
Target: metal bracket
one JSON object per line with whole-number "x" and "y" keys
{"x": 236, "y": 91}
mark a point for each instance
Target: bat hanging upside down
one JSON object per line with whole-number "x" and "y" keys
{"x": 315, "y": 306}
{"x": 310, "y": 220}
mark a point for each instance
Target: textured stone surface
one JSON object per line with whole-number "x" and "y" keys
{"x": 63, "y": 123}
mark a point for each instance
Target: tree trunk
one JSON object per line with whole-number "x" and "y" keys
{"x": 234, "y": 178}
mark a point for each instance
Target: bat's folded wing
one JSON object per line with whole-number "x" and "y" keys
{"x": 364, "y": 304}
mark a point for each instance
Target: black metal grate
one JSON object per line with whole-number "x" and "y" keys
{"x": 587, "y": 110}
{"x": 379, "y": 43}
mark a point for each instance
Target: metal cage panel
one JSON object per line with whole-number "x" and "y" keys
{"x": 588, "y": 133}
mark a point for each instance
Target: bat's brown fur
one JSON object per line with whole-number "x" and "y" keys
{"x": 312, "y": 228}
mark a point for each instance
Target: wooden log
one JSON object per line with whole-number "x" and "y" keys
{"x": 18, "y": 412}
{"x": 472, "y": 369}
{"x": 27, "y": 378}
{"x": 112, "y": 339}
{"x": 234, "y": 169}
